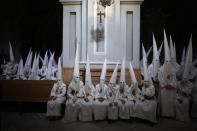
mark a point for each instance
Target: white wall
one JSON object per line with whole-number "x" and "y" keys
{"x": 68, "y": 61}
{"x": 135, "y": 9}
{"x": 116, "y": 31}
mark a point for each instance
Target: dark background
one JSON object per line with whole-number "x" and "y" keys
{"x": 38, "y": 24}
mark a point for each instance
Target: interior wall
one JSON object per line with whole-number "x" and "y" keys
{"x": 95, "y": 73}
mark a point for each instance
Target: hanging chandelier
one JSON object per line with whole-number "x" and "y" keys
{"x": 105, "y": 3}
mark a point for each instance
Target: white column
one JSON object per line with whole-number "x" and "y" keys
{"x": 84, "y": 31}
{"x": 67, "y": 9}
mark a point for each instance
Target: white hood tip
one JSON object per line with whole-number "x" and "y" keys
{"x": 132, "y": 73}
{"x": 104, "y": 69}
{"x": 122, "y": 74}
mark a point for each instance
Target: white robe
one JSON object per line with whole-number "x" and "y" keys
{"x": 100, "y": 108}
{"x": 86, "y": 108}
{"x": 153, "y": 69}
{"x": 182, "y": 101}
{"x": 182, "y": 108}
{"x": 135, "y": 101}
{"x": 168, "y": 83}
{"x": 123, "y": 104}
{"x": 72, "y": 104}
{"x": 167, "y": 99}
{"x": 54, "y": 106}
{"x": 113, "y": 103}
{"x": 149, "y": 106}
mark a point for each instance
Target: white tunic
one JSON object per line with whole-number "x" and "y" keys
{"x": 54, "y": 106}
{"x": 123, "y": 104}
{"x": 113, "y": 103}
{"x": 135, "y": 99}
{"x": 149, "y": 105}
{"x": 100, "y": 107}
{"x": 86, "y": 108}
{"x": 72, "y": 104}
{"x": 168, "y": 83}
{"x": 182, "y": 101}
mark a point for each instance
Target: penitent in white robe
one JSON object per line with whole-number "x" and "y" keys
{"x": 100, "y": 107}
{"x": 113, "y": 103}
{"x": 85, "y": 107}
{"x": 54, "y": 106}
{"x": 72, "y": 104}
{"x": 182, "y": 101}
{"x": 123, "y": 104}
{"x": 149, "y": 105}
{"x": 167, "y": 96}
{"x": 135, "y": 99}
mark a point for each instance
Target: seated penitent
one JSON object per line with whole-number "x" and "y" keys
{"x": 58, "y": 92}
{"x": 183, "y": 100}
{"x": 149, "y": 105}
{"x": 73, "y": 93}
{"x": 184, "y": 92}
{"x": 111, "y": 96}
{"x": 168, "y": 83}
{"x": 86, "y": 96}
{"x": 100, "y": 96}
{"x": 135, "y": 97}
{"x": 20, "y": 74}
{"x": 122, "y": 97}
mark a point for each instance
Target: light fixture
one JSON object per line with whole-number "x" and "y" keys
{"x": 105, "y": 3}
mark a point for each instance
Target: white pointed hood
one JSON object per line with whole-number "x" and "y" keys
{"x": 191, "y": 50}
{"x": 30, "y": 59}
{"x": 49, "y": 68}
{"x": 148, "y": 52}
{"x": 88, "y": 77}
{"x": 54, "y": 63}
{"x": 188, "y": 61}
{"x": 76, "y": 66}
{"x": 183, "y": 57}
{"x": 122, "y": 74}
{"x": 155, "y": 62}
{"x": 27, "y": 59}
{"x": 34, "y": 64}
{"x": 51, "y": 59}
{"x": 175, "y": 52}
{"x": 186, "y": 64}
{"x": 59, "y": 75}
{"x": 166, "y": 48}
{"x": 42, "y": 60}
{"x": 50, "y": 52}
{"x": 172, "y": 55}
{"x": 160, "y": 49}
{"x": 45, "y": 62}
{"x": 33, "y": 69}
{"x": 104, "y": 69}
{"x": 11, "y": 53}
{"x": 132, "y": 73}
{"x": 146, "y": 78}
{"x": 38, "y": 61}
{"x": 155, "y": 51}
{"x": 114, "y": 75}
{"x": 20, "y": 68}
{"x": 143, "y": 52}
